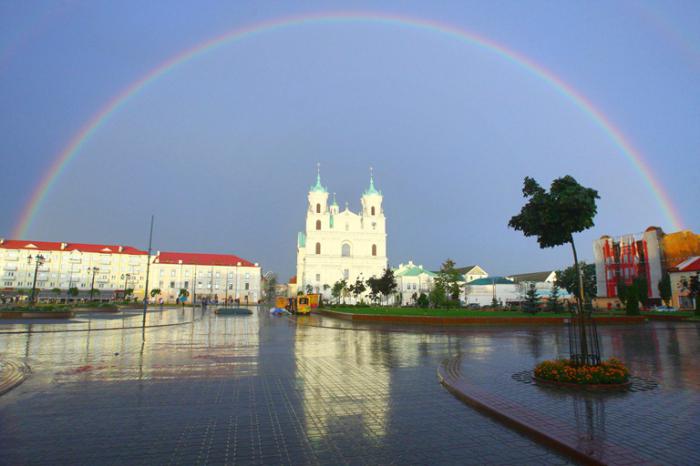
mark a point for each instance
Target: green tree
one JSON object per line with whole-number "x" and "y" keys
{"x": 633, "y": 294}
{"x": 56, "y": 291}
{"x": 568, "y": 279}
{"x": 438, "y": 296}
{"x": 358, "y": 288}
{"x": 553, "y": 304}
{"x": 553, "y": 217}
{"x": 449, "y": 279}
{"x": 374, "y": 284}
{"x": 155, "y": 292}
{"x": 73, "y": 291}
{"x": 338, "y": 288}
{"x": 309, "y": 289}
{"x": 665, "y": 289}
{"x": 531, "y": 305}
{"x": 423, "y": 300}
{"x": 387, "y": 283}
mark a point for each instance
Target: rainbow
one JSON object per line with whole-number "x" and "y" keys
{"x": 70, "y": 151}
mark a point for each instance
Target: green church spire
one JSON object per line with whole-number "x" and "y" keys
{"x": 318, "y": 187}
{"x": 371, "y": 189}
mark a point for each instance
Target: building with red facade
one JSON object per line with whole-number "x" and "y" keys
{"x": 649, "y": 255}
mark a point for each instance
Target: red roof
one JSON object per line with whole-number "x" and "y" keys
{"x": 293, "y": 280}
{"x": 82, "y": 247}
{"x": 193, "y": 258}
{"x": 692, "y": 264}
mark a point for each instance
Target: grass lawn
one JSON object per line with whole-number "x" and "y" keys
{"x": 413, "y": 311}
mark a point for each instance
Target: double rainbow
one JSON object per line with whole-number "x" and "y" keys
{"x": 60, "y": 163}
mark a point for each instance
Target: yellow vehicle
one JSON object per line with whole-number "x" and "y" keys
{"x": 314, "y": 300}
{"x": 299, "y": 305}
{"x": 281, "y": 302}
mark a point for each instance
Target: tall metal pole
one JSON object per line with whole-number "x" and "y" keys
{"x": 32, "y": 300}
{"x": 92, "y": 283}
{"x": 148, "y": 268}
{"x": 194, "y": 289}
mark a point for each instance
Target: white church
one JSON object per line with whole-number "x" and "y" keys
{"x": 340, "y": 245}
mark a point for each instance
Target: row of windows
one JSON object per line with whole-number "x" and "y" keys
{"x": 372, "y": 210}
{"x": 205, "y": 274}
{"x": 345, "y": 250}
{"x": 347, "y": 226}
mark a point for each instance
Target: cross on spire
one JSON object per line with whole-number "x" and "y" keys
{"x": 318, "y": 187}
{"x": 371, "y": 189}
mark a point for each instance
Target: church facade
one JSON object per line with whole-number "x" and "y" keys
{"x": 339, "y": 244}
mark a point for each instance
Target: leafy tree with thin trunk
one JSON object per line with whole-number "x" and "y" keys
{"x": 358, "y": 288}
{"x": 568, "y": 279}
{"x": 438, "y": 296}
{"x": 374, "y": 285}
{"x": 449, "y": 278}
{"x": 337, "y": 289}
{"x": 155, "y": 292}
{"x": 387, "y": 283}
{"x": 553, "y": 217}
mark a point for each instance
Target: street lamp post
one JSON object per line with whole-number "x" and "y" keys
{"x": 236, "y": 298}
{"x": 126, "y": 281}
{"x": 226, "y": 295}
{"x": 92, "y": 283}
{"x": 38, "y": 260}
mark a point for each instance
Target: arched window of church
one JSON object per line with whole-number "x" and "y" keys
{"x": 374, "y": 249}
{"x": 345, "y": 251}
{"x": 318, "y": 248}
{"x": 372, "y": 210}
{"x": 318, "y": 224}
{"x": 318, "y": 208}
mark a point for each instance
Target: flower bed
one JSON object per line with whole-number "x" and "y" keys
{"x": 562, "y": 371}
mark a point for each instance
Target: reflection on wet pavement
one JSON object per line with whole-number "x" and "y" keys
{"x": 261, "y": 389}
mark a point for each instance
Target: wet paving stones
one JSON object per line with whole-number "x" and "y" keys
{"x": 263, "y": 390}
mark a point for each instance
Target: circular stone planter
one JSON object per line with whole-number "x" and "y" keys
{"x": 603, "y": 387}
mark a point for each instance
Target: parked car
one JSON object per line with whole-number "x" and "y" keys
{"x": 473, "y": 306}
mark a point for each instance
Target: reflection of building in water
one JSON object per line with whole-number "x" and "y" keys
{"x": 342, "y": 379}
{"x": 217, "y": 347}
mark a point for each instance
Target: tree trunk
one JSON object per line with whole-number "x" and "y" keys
{"x": 580, "y": 299}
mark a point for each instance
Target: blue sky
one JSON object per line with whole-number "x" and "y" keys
{"x": 224, "y": 148}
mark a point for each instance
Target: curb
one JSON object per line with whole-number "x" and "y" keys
{"x": 547, "y": 431}
{"x": 480, "y": 320}
{"x": 13, "y": 374}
